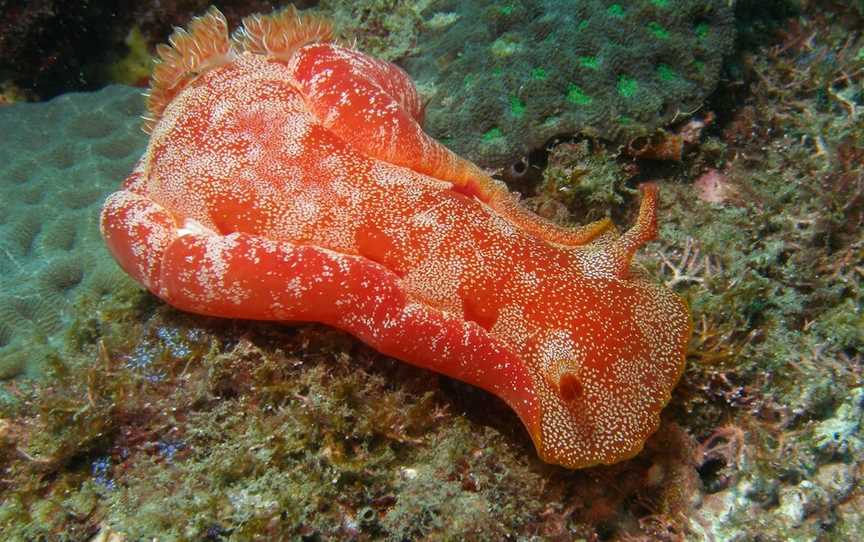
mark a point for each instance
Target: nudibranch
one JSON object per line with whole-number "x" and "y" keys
{"x": 288, "y": 178}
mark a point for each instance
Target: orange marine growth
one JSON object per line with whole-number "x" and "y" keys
{"x": 288, "y": 178}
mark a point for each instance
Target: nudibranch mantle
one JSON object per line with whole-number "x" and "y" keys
{"x": 288, "y": 178}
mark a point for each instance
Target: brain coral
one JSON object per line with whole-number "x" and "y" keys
{"x": 57, "y": 163}
{"x": 505, "y": 77}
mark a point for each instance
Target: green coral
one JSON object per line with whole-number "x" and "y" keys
{"x": 615, "y": 70}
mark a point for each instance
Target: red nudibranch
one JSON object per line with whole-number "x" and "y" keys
{"x": 288, "y": 178}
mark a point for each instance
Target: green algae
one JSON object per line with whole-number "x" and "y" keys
{"x": 286, "y": 432}
{"x": 180, "y": 427}
{"x": 587, "y": 179}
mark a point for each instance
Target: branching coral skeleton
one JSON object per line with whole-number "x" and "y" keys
{"x": 690, "y": 265}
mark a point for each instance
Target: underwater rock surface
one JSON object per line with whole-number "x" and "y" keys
{"x": 157, "y": 424}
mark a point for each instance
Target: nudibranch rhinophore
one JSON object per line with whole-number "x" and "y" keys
{"x": 288, "y": 178}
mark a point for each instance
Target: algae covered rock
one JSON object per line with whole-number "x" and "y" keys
{"x": 505, "y": 77}
{"x": 58, "y": 162}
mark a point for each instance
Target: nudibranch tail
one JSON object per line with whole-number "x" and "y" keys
{"x": 280, "y": 34}
{"x": 203, "y": 47}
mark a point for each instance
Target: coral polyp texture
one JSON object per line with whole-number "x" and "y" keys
{"x": 505, "y": 77}
{"x": 57, "y": 163}
{"x": 287, "y": 178}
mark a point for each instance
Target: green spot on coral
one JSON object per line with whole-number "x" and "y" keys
{"x": 627, "y": 86}
{"x": 702, "y": 30}
{"x": 506, "y": 10}
{"x": 577, "y": 96}
{"x": 505, "y": 46}
{"x": 699, "y": 65}
{"x": 615, "y": 10}
{"x": 469, "y": 80}
{"x": 493, "y": 134}
{"x": 582, "y": 26}
{"x": 660, "y": 3}
{"x": 497, "y": 72}
{"x": 589, "y": 62}
{"x": 666, "y": 73}
{"x": 657, "y": 30}
{"x": 517, "y": 106}
{"x": 860, "y": 55}
{"x": 624, "y": 119}
{"x": 538, "y": 74}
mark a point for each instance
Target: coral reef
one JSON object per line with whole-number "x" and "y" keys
{"x": 62, "y": 160}
{"x": 155, "y": 424}
{"x": 504, "y": 78}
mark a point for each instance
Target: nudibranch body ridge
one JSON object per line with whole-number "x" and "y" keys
{"x": 288, "y": 178}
